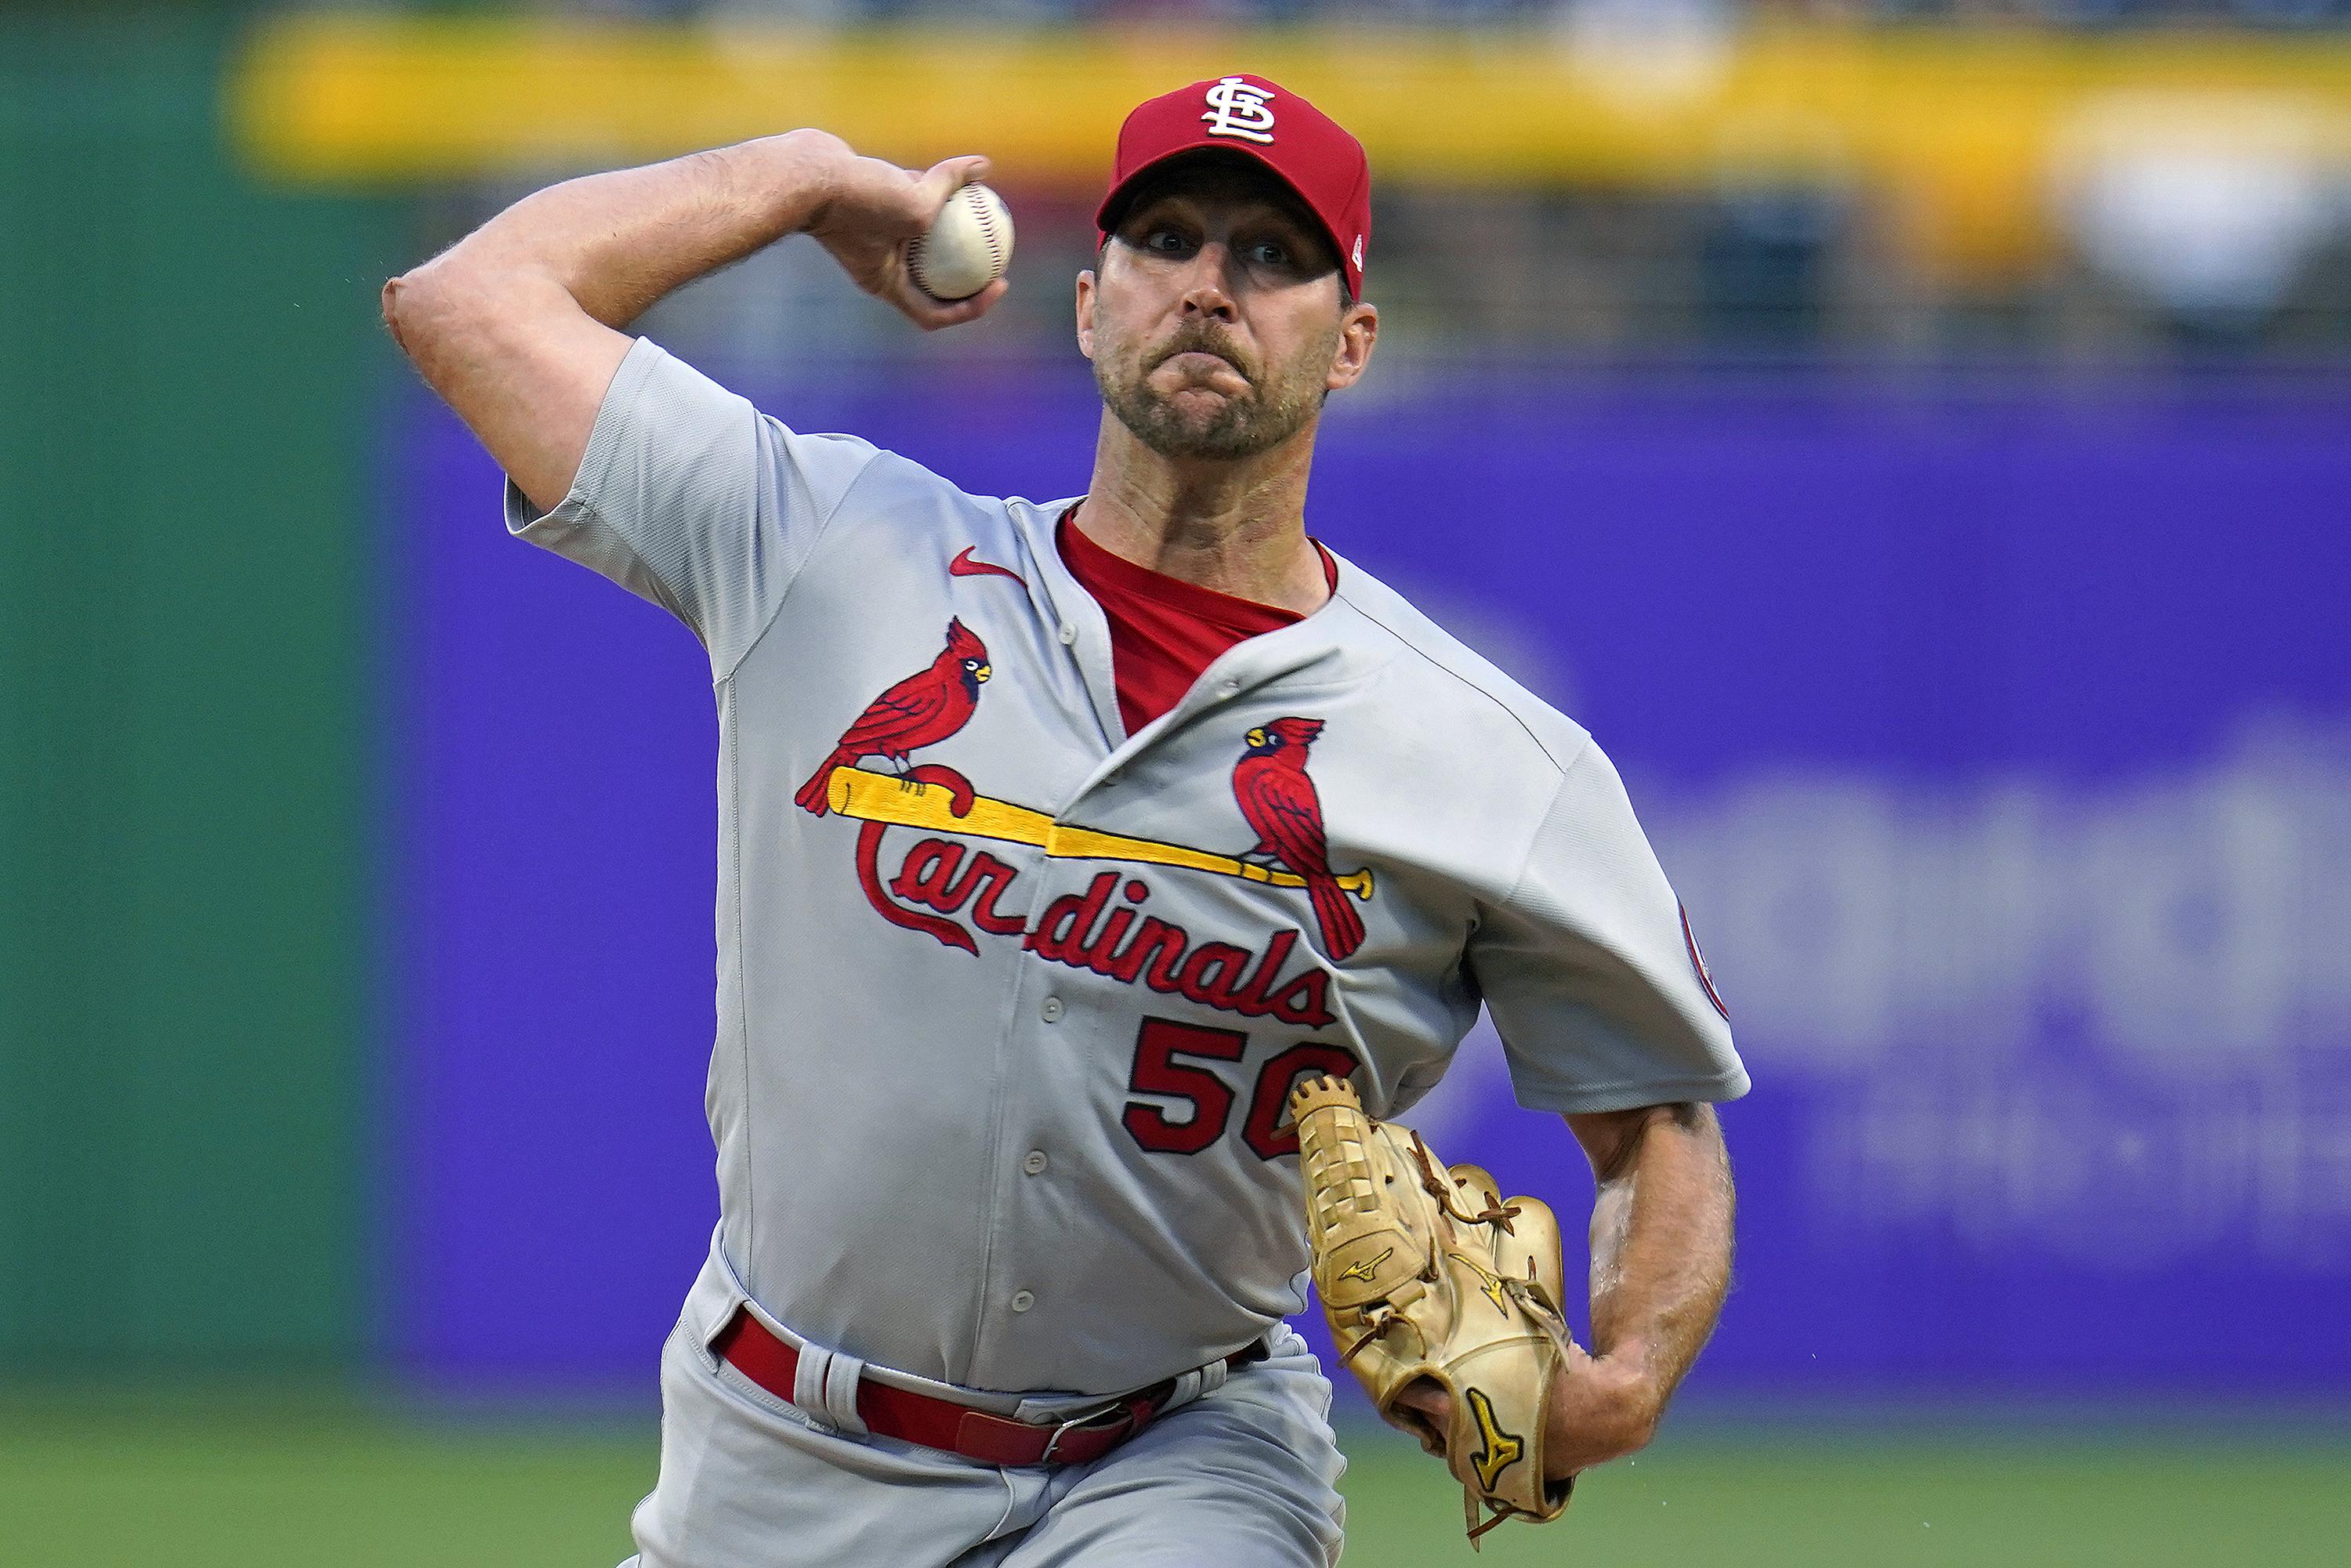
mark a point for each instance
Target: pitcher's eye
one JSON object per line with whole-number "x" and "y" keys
{"x": 1165, "y": 242}
{"x": 1269, "y": 253}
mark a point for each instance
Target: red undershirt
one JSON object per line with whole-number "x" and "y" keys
{"x": 1164, "y": 630}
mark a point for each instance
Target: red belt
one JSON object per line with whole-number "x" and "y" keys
{"x": 760, "y": 1355}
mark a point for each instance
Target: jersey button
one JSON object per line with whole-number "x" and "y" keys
{"x": 1068, "y": 633}
{"x": 1034, "y": 1162}
{"x": 1022, "y": 1301}
{"x": 1228, "y": 688}
{"x": 1051, "y": 1010}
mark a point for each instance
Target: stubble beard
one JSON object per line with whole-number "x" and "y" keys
{"x": 1232, "y": 428}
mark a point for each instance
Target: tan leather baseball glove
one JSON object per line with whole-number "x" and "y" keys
{"x": 1424, "y": 1272}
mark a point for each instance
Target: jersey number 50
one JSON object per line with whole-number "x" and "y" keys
{"x": 1158, "y": 1071}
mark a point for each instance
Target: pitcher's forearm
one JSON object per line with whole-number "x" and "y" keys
{"x": 519, "y": 325}
{"x": 1661, "y": 1241}
{"x": 618, "y": 242}
{"x": 1661, "y": 1246}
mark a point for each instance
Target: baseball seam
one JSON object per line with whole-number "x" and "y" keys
{"x": 984, "y": 211}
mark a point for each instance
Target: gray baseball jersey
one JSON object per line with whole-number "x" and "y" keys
{"x": 1009, "y": 1000}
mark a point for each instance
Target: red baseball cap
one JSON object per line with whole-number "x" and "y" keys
{"x": 1306, "y": 149}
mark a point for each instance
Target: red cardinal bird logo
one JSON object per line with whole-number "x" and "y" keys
{"x": 1280, "y": 803}
{"x": 921, "y": 710}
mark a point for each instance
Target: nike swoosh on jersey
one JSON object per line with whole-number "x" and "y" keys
{"x": 963, "y": 566}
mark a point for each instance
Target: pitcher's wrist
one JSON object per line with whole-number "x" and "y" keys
{"x": 1601, "y": 1408}
{"x": 798, "y": 173}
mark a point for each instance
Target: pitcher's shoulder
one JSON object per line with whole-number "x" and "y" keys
{"x": 1455, "y": 694}
{"x": 902, "y": 521}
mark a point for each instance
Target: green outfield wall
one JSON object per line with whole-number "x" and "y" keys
{"x": 187, "y": 525}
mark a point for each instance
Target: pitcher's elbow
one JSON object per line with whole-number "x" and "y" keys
{"x": 394, "y": 295}
{"x": 416, "y": 303}
{"x": 428, "y": 303}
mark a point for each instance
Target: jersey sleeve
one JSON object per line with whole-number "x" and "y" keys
{"x": 689, "y": 497}
{"x": 1589, "y": 970}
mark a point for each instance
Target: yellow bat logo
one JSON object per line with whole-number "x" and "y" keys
{"x": 1363, "y": 1270}
{"x": 881, "y": 798}
{"x": 1500, "y": 1451}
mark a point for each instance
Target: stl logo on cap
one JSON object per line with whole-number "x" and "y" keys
{"x": 1315, "y": 157}
{"x": 1240, "y": 108}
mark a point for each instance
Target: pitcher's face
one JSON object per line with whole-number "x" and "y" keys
{"x": 1217, "y": 322}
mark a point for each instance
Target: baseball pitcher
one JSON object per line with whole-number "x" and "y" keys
{"x": 1075, "y": 860}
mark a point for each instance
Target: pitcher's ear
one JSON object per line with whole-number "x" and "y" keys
{"x": 1359, "y": 332}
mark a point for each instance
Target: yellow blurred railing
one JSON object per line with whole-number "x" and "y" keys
{"x": 1966, "y": 126}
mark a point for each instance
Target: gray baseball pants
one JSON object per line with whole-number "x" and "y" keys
{"x": 1243, "y": 1476}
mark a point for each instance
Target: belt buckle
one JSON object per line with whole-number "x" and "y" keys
{"x": 1121, "y": 1410}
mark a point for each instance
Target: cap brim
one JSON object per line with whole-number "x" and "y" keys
{"x": 1113, "y": 206}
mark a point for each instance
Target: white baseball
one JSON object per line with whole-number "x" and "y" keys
{"x": 967, "y": 249}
